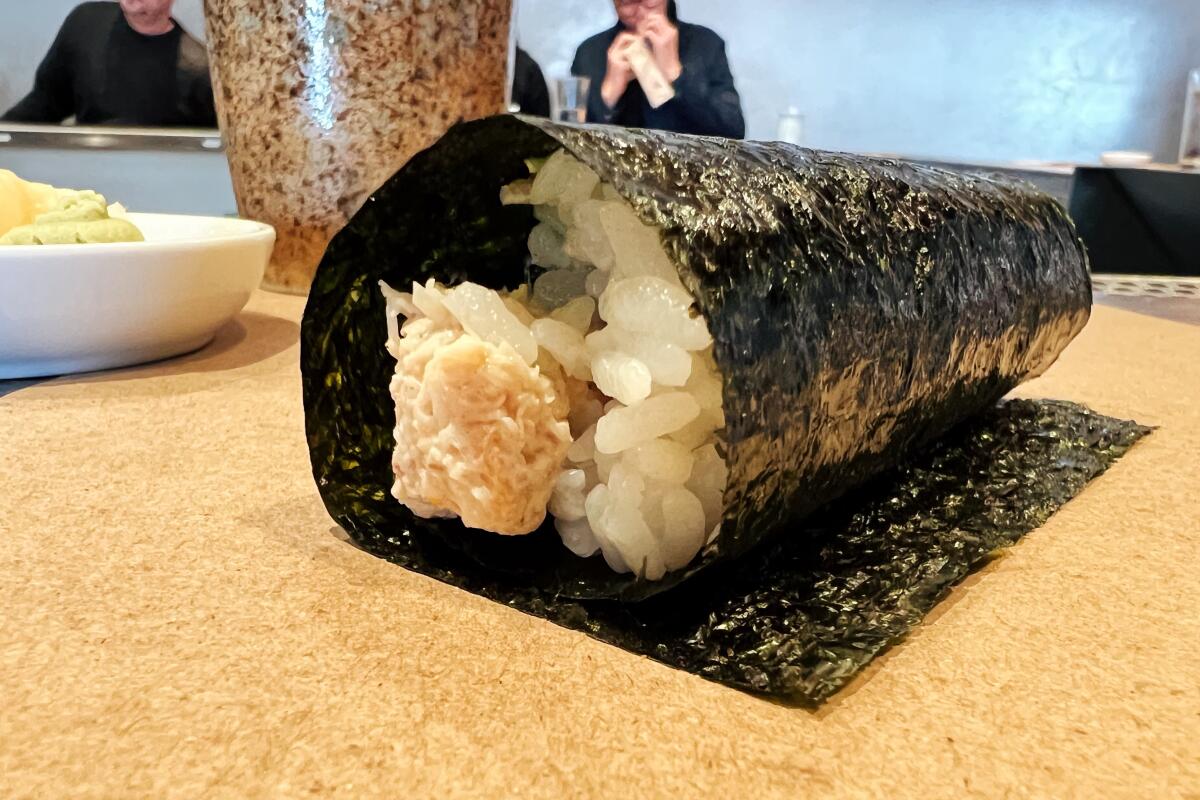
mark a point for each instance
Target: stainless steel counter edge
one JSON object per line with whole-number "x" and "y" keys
{"x": 110, "y": 138}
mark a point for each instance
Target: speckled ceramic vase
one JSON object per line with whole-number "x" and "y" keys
{"x": 320, "y": 101}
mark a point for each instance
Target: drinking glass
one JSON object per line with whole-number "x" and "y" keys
{"x": 1189, "y": 143}
{"x": 791, "y": 127}
{"x": 321, "y": 101}
{"x": 570, "y": 98}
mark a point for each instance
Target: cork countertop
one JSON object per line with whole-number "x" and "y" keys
{"x": 179, "y": 617}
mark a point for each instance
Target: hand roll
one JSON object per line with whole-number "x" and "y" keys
{"x": 638, "y": 354}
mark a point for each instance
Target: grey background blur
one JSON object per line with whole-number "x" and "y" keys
{"x": 952, "y": 79}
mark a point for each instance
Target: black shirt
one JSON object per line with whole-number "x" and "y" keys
{"x": 706, "y": 101}
{"x": 105, "y": 73}
{"x": 529, "y": 86}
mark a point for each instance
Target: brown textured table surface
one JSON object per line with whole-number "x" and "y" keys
{"x": 179, "y": 617}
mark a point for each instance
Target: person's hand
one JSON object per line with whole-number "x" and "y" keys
{"x": 619, "y": 74}
{"x": 664, "y": 42}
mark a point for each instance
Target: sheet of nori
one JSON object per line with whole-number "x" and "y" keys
{"x": 797, "y": 619}
{"x": 860, "y": 308}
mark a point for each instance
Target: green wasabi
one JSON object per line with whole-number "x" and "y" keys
{"x": 76, "y": 218}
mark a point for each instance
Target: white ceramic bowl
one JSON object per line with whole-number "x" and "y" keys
{"x": 84, "y": 307}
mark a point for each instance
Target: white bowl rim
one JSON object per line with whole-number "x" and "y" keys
{"x": 249, "y": 230}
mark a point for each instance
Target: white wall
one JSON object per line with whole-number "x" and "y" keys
{"x": 29, "y": 28}
{"x": 957, "y": 79}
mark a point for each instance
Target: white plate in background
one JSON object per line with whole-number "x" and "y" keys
{"x": 1126, "y": 158}
{"x": 84, "y": 307}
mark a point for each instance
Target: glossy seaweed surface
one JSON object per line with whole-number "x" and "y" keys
{"x": 860, "y": 308}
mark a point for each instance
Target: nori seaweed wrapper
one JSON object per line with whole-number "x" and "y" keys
{"x": 798, "y": 618}
{"x": 860, "y": 309}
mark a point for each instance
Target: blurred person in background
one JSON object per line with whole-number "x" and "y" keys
{"x": 127, "y": 63}
{"x": 530, "y": 91}
{"x": 691, "y": 58}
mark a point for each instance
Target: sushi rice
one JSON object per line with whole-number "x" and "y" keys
{"x": 592, "y": 395}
